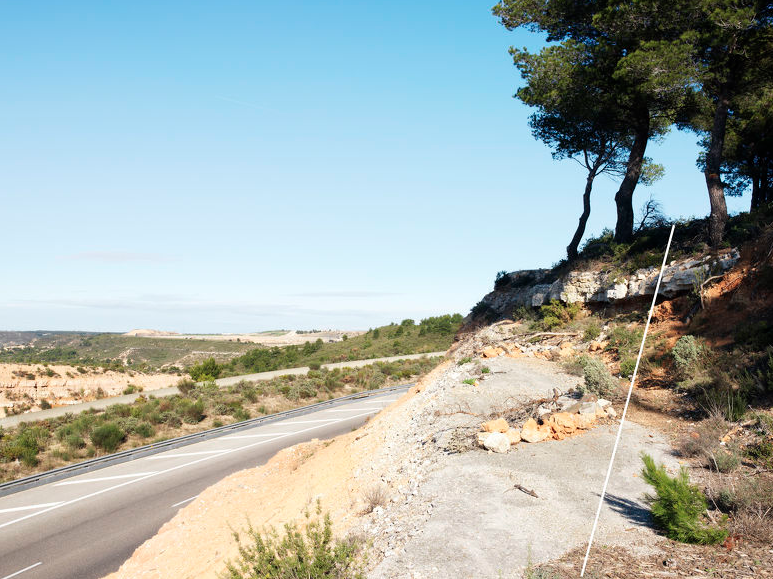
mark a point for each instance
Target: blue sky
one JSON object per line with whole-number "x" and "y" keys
{"x": 244, "y": 166}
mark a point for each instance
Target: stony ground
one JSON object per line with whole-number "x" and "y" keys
{"x": 416, "y": 484}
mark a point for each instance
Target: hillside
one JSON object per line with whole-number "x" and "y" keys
{"x": 502, "y": 451}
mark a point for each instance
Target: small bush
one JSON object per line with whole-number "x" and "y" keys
{"x": 591, "y": 333}
{"x": 375, "y": 496}
{"x": 470, "y": 381}
{"x": 627, "y": 367}
{"x": 311, "y": 553}
{"x": 204, "y": 371}
{"x": 314, "y": 366}
{"x": 598, "y": 380}
{"x": 625, "y": 341}
{"x": 761, "y": 452}
{"x": 677, "y": 506}
{"x": 686, "y": 353}
{"x": 185, "y": 386}
{"x": 108, "y": 437}
{"x": 485, "y": 370}
{"x": 725, "y": 460}
{"x": 556, "y": 314}
{"x": 45, "y": 404}
{"x": 465, "y": 360}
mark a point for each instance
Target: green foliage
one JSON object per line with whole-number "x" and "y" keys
{"x": 678, "y": 506}
{"x": 725, "y": 460}
{"x": 761, "y": 451}
{"x": 591, "y": 333}
{"x": 108, "y": 437}
{"x": 209, "y": 369}
{"x": 627, "y": 367}
{"x": 465, "y": 360}
{"x": 485, "y": 370}
{"x": 24, "y": 445}
{"x": 598, "y": 379}
{"x": 625, "y": 341}
{"x": 309, "y": 553}
{"x": 686, "y": 353}
{"x": 470, "y": 381}
{"x": 556, "y": 314}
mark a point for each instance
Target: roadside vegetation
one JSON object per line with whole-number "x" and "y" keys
{"x": 220, "y": 358}
{"x": 309, "y": 552}
{"x": 433, "y": 334}
{"x": 46, "y": 444}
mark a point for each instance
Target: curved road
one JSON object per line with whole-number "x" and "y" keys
{"x": 87, "y": 525}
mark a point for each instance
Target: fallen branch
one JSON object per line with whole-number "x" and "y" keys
{"x": 523, "y": 489}
{"x": 713, "y": 277}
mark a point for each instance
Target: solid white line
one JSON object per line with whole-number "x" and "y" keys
{"x": 627, "y": 400}
{"x": 182, "y": 502}
{"x": 30, "y": 507}
{"x": 264, "y": 435}
{"x": 309, "y": 421}
{"x": 20, "y": 571}
{"x": 344, "y": 410}
{"x": 168, "y": 470}
{"x": 100, "y": 479}
{"x": 183, "y": 454}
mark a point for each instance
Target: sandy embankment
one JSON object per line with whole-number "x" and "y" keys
{"x": 29, "y": 384}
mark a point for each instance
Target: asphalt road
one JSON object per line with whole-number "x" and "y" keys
{"x": 86, "y": 526}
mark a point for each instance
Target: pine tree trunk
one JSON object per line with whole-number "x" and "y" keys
{"x": 624, "y": 195}
{"x": 756, "y": 193}
{"x": 571, "y": 249}
{"x": 718, "y": 215}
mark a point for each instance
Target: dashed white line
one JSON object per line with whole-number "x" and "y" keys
{"x": 100, "y": 479}
{"x": 20, "y": 571}
{"x": 30, "y": 507}
{"x": 183, "y": 502}
{"x": 170, "y": 469}
{"x": 184, "y": 454}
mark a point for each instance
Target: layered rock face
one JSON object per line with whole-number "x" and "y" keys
{"x": 536, "y": 287}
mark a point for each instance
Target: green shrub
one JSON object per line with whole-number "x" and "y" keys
{"x": 204, "y": 371}
{"x": 625, "y": 341}
{"x": 556, "y": 314}
{"x": 722, "y": 397}
{"x": 75, "y": 441}
{"x": 485, "y": 370}
{"x": 627, "y": 367}
{"x": 144, "y": 430}
{"x": 470, "y": 381}
{"x": 761, "y": 451}
{"x": 598, "y": 379}
{"x": 677, "y": 506}
{"x": 24, "y": 445}
{"x": 591, "y": 333}
{"x": 465, "y": 360}
{"x": 686, "y": 353}
{"x": 190, "y": 412}
{"x": 108, "y": 437}
{"x": 311, "y": 553}
{"x": 725, "y": 460}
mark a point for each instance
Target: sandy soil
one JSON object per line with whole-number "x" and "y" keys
{"x": 29, "y": 384}
{"x": 291, "y": 338}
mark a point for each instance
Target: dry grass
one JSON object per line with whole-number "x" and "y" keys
{"x": 375, "y": 496}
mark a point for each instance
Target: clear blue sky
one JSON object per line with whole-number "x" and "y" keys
{"x": 241, "y": 166}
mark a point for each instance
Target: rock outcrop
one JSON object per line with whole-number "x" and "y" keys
{"x": 538, "y": 286}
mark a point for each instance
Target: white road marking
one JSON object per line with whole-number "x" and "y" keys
{"x": 345, "y": 410}
{"x": 168, "y": 470}
{"x": 183, "y": 502}
{"x": 264, "y": 435}
{"x": 100, "y": 479}
{"x": 183, "y": 454}
{"x": 30, "y": 507}
{"x": 309, "y": 421}
{"x": 20, "y": 571}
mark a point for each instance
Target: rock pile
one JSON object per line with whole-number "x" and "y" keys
{"x": 560, "y": 418}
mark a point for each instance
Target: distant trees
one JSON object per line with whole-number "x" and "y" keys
{"x": 617, "y": 73}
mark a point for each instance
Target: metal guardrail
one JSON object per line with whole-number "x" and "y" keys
{"x": 89, "y": 465}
